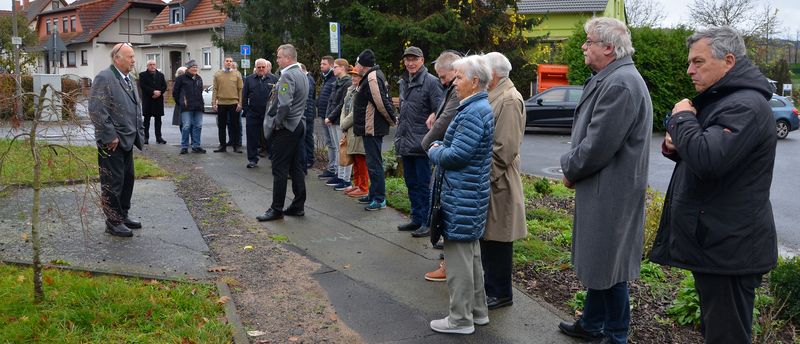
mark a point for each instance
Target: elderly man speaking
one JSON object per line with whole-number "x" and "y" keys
{"x": 607, "y": 166}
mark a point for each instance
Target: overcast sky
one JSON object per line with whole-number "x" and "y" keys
{"x": 788, "y": 14}
{"x": 677, "y": 13}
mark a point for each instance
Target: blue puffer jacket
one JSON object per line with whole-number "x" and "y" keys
{"x": 466, "y": 157}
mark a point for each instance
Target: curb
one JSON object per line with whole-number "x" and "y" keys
{"x": 237, "y": 329}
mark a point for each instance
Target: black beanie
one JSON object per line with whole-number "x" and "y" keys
{"x": 366, "y": 58}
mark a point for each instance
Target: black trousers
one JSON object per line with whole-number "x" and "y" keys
{"x": 147, "y": 127}
{"x": 309, "y": 142}
{"x": 226, "y": 117}
{"x": 726, "y": 306}
{"x": 286, "y": 159}
{"x": 254, "y": 131}
{"x": 496, "y": 258}
{"x": 116, "y": 181}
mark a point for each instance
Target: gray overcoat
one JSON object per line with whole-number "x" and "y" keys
{"x": 608, "y": 164}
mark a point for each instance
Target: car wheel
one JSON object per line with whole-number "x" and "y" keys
{"x": 783, "y": 129}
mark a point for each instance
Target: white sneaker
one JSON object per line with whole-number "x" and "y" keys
{"x": 444, "y": 326}
{"x": 480, "y": 321}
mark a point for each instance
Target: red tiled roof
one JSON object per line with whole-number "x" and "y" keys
{"x": 96, "y": 15}
{"x": 201, "y": 17}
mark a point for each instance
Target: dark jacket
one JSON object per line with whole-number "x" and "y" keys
{"x": 373, "y": 113}
{"x": 325, "y": 90}
{"x": 717, "y": 217}
{"x": 337, "y": 98}
{"x": 115, "y": 111}
{"x": 465, "y": 155}
{"x": 444, "y": 115}
{"x": 188, "y": 90}
{"x": 256, "y": 92}
{"x": 311, "y": 106}
{"x": 420, "y": 96}
{"x": 150, "y": 82}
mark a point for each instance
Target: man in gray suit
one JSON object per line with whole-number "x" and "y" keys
{"x": 607, "y": 166}
{"x": 285, "y": 125}
{"x": 115, "y": 110}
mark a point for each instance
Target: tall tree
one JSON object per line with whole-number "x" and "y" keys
{"x": 29, "y": 39}
{"x": 644, "y": 13}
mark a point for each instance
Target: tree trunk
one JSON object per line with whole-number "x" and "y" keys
{"x": 38, "y": 293}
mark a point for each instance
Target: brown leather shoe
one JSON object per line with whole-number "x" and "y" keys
{"x": 438, "y": 275}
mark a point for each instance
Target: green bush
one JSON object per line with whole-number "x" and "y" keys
{"x": 661, "y": 59}
{"x": 578, "y": 300}
{"x": 685, "y": 309}
{"x": 653, "y": 208}
{"x": 392, "y": 166}
{"x": 784, "y": 283}
{"x": 7, "y": 93}
{"x": 543, "y": 186}
{"x": 651, "y": 273}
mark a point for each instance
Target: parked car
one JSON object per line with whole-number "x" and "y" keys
{"x": 786, "y": 115}
{"x": 553, "y": 108}
{"x": 207, "y": 95}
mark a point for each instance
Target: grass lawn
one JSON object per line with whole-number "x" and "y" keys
{"x": 83, "y": 308}
{"x": 16, "y": 164}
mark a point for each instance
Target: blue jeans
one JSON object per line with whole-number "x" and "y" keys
{"x": 191, "y": 124}
{"x": 377, "y": 180}
{"x": 417, "y": 175}
{"x": 609, "y": 311}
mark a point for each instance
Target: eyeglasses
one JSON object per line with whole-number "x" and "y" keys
{"x": 589, "y": 42}
{"x": 118, "y": 48}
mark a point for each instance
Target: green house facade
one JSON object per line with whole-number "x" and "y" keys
{"x": 560, "y": 17}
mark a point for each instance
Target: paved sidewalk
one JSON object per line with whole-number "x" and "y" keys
{"x": 374, "y": 274}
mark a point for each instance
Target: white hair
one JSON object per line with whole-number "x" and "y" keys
{"x": 499, "y": 64}
{"x": 180, "y": 71}
{"x": 475, "y": 66}
{"x": 611, "y": 31}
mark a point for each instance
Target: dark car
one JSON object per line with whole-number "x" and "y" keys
{"x": 553, "y": 108}
{"x": 786, "y": 115}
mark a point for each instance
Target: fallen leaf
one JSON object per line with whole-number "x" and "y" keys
{"x": 152, "y": 282}
{"x": 223, "y": 300}
{"x": 255, "y": 333}
{"x": 346, "y": 266}
{"x": 149, "y": 313}
{"x": 23, "y": 318}
{"x": 248, "y": 247}
{"x": 20, "y": 278}
{"x": 333, "y": 317}
{"x": 185, "y": 340}
{"x": 294, "y": 338}
{"x": 60, "y": 262}
{"x": 25, "y": 237}
{"x": 218, "y": 268}
{"x": 235, "y": 235}
{"x": 194, "y": 291}
{"x": 47, "y": 280}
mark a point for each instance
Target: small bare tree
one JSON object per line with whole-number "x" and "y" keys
{"x": 644, "y": 13}
{"x": 37, "y": 146}
{"x": 733, "y": 13}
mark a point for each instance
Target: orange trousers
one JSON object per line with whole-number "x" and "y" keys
{"x": 360, "y": 173}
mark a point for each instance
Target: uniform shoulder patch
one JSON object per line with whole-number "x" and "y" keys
{"x": 284, "y": 88}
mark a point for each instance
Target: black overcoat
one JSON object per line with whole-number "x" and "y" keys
{"x": 150, "y": 82}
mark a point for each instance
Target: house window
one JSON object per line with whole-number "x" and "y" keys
{"x": 84, "y": 58}
{"x": 176, "y": 15}
{"x": 130, "y": 26}
{"x": 206, "y": 58}
{"x": 71, "y": 59}
{"x": 154, "y": 57}
{"x": 66, "y": 24}
{"x": 47, "y": 26}
{"x": 72, "y": 24}
{"x": 61, "y": 60}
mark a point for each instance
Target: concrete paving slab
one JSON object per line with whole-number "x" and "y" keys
{"x": 169, "y": 245}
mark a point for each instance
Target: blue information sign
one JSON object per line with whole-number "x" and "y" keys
{"x": 244, "y": 49}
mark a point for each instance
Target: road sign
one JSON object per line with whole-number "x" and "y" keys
{"x": 244, "y": 49}
{"x": 16, "y": 40}
{"x": 245, "y": 63}
{"x": 334, "y": 34}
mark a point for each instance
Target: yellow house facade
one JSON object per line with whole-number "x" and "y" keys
{"x": 560, "y": 17}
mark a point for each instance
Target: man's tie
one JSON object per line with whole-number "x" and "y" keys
{"x": 128, "y": 82}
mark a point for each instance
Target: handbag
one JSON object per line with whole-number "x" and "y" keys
{"x": 435, "y": 218}
{"x": 344, "y": 158}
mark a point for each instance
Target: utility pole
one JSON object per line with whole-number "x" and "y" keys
{"x": 17, "y": 41}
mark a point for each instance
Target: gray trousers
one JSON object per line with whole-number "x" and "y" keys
{"x": 465, "y": 282}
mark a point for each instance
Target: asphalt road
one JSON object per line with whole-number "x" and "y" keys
{"x": 542, "y": 149}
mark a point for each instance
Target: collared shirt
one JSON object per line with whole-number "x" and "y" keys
{"x": 290, "y": 66}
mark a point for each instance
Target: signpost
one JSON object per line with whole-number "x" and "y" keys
{"x": 244, "y": 50}
{"x": 787, "y": 90}
{"x": 335, "y": 31}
